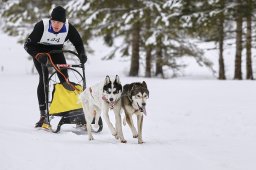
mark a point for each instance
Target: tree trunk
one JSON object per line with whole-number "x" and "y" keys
{"x": 159, "y": 57}
{"x": 134, "y": 68}
{"x": 249, "y": 73}
{"x": 148, "y": 47}
{"x": 148, "y": 61}
{"x": 221, "y": 41}
{"x": 239, "y": 48}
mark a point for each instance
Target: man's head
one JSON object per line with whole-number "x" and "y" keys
{"x": 58, "y": 18}
{"x": 58, "y": 14}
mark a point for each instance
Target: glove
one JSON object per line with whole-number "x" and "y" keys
{"x": 42, "y": 58}
{"x": 83, "y": 58}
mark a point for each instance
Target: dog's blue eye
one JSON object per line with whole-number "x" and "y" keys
{"x": 138, "y": 96}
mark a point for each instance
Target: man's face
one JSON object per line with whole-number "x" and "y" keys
{"x": 56, "y": 25}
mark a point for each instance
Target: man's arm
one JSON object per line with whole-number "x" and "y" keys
{"x": 76, "y": 40}
{"x": 34, "y": 38}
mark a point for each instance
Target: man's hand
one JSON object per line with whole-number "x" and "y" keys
{"x": 83, "y": 58}
{"x": 41, "y": 58}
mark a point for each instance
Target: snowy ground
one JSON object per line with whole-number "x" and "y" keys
{"x": 192, "y": 124}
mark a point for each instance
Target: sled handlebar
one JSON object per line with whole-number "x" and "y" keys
{"x": 64, "y": 51}
{"x": 66, "y": 65}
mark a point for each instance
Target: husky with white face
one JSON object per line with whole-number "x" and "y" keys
{"x": 101, "y": 98}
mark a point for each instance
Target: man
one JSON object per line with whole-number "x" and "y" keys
{"x": 47, "y": 35}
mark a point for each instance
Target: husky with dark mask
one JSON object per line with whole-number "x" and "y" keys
{"x": 134, "y": 99}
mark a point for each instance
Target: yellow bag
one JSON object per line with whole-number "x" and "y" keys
{"x": 64, "y": 100}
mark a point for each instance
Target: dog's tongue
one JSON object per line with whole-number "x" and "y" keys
{"x": 144, "y": 110}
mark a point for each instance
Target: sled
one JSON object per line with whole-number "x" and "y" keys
{"x": 63, "y": 104}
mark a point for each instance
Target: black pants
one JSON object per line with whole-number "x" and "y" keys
{"x": 57, "y": 59}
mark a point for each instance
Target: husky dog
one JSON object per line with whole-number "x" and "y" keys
{"x": 134, "y": 99}
{"x": 101, "y": 98}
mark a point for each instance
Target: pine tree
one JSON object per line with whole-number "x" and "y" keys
{"x": 248, "y": 13}
{"x": 148, "y": 47}
{"x": 239, "y": 46}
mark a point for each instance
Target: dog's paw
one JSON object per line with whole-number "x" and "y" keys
{"x": 117, "y": 137}
{"x": 114, "y": 133}
{"x": 140, "y": 142}
{"x": 135, "y": 136}
{"x": 123, "y": 141}
{"x": 90, "y": 138}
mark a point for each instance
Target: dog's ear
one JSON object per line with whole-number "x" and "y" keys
{"x": 117, "y": 79}
{"x": 107, "y": 80}
{"x": 144, "y": 84}
{"x": 132, "y": 86}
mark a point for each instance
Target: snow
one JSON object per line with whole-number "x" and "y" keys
{"x": 128, "y": 17}
{"x": 91, "y": 18}
{"x": 192, "y": 124}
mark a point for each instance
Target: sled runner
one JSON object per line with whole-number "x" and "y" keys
{"x": 62, "y": 98}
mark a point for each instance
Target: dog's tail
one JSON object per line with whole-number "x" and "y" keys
{"x": 124, "y": 120}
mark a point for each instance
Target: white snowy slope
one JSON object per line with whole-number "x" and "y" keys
{"x": 192, "y": 124}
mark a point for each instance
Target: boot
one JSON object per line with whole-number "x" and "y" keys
{"x": 43, "y": 122}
